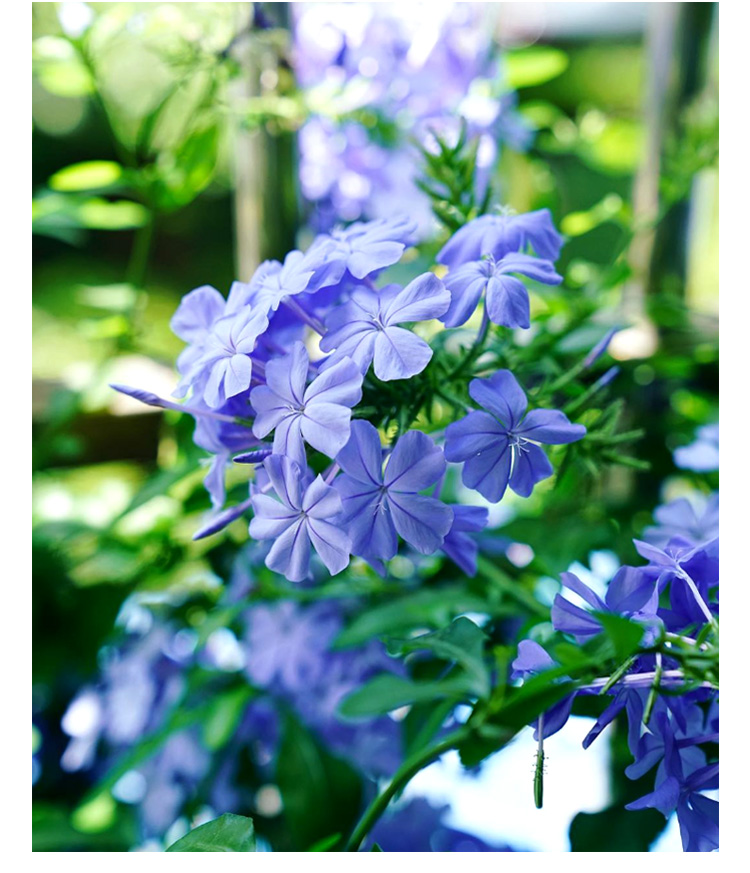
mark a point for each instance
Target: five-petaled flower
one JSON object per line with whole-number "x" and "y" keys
{"x": 500, "y": 234}
{"x": 379, "y": 505}
{"x": 507, "y": 300}
{"x": 499, "y": 447}
{"x": 366, "y": 328}
{"x": 306, "y": 514}
{"x": 319, "y": 414}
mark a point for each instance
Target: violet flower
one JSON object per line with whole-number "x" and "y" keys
{"x": 305, "y": 515}
{"x": 366, "y": 328}
{"x": 507, "y": 300}
{"x": 501, "y": 234}
{"x": 319, "y": 414}
{"x": 500, "y": 446}
{"x": 378, "y": 505}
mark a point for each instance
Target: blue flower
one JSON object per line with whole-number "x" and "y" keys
{"x": 377, "y": 506}
{"x": 365, "y": 329}
{"x": 319, "y": 414}
{"x": 682, "y": 774}
{"x": 274, "y": 282}
{"x": 499, "y": 235}
{"x": 701, "y": 456}
{"x": 507, "y": 300}
{"x": 691, "y": 572}
{"x": 416, "y": 825}
{"x": 632, "y": 593}
{"x": 287, "y": 644}
{"x": 695, "y": 520}
{"x": 225, "y": 368}
{"x": 306, "y": 514}
{"x": 364, "y": 248}
{"x": 531, "y": 661}
{"x": 501, "y": 448}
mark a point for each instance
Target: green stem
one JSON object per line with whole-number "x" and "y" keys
{"x": 140, "y": 252}
{"x": 401, "y": 778}
{"x": 475, "y": 349}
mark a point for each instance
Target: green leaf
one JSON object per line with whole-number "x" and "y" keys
{"x": 228, "y": 833}
{"x": 533, "y": 66}
{"x": 615, "y": 829}
{"x": 461, "y": 642}
{"x": 99, "y": 214}
{"x": 60, "y": 68}
{"x": 624, "y": 635}
{"x": 322, "y": 795}
{"x": 426, "y": 608}
{"x": 388, "y": 692}
{"x": 86, "y": 176}
{"x": 224, "y": 718}
{"x": 181, "y": 176}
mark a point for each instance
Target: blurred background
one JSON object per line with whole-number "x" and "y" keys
{"x": 177, "y": 145}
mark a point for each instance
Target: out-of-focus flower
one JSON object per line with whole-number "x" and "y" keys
{"x": 702, "y": 456}
{"x": 695, "y": 519}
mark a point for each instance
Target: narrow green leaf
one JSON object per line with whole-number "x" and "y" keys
{"x": 533, "y": 66}
{"x": 426, "y": 608}
{"x": 461, "y": 642}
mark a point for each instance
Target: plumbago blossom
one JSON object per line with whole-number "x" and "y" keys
{"x": 303, "y": 516}
{"x": 260, "y": 397}
{"x": 675, "y": 600}
{"x": 379, "y": 505}
{"x": 500, "y": 446}
{"x": 366, "y": 328}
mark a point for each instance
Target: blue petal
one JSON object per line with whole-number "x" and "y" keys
{"x": 502, "y": 396}
{"x": 399, "y": 354}
{"x": 530, "y": 465}
{"x": 422, "y": 521}
{"x": 415, "y": 464}
{"x": 550, "y": 426}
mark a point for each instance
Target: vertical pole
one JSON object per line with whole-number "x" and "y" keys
{"x": 264, "y": 160}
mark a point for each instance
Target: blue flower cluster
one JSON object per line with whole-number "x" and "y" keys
{"x": 274, "y": 376}
{"x": 285, "y": 654}
{"x": 371, "y": 71}
{"x": 675, "y": 598}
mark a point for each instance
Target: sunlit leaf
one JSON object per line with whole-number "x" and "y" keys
{"x": 533, "y": 66}
{"x": 86, "y": 176}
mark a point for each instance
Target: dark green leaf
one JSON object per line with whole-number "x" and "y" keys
{"x": 615, "y": 829}
{"x": 625, "y": 635}
{"x": 461, "y": 642}
{"x": 321, "y": 794}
